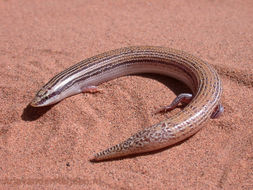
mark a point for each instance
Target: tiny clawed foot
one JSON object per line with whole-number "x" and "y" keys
{"x": 183, "y": 98}
{"x": 163, "y": 110}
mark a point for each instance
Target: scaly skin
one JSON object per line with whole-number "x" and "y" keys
{"x": 197, "y": 74}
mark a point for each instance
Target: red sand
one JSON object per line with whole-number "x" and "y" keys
{"x": 49, "y": 148}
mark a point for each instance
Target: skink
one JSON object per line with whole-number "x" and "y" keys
{"x": 199, "y": 76}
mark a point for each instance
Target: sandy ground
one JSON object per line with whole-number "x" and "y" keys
{"x": 49, "y": 147}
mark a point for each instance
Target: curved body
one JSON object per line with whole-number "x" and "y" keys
{"x": 199, "y": 76}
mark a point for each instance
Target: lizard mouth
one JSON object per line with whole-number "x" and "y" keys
{"x": 36, "y": 102}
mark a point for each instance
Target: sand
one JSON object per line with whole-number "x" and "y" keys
{"x": 49, "y": 148}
